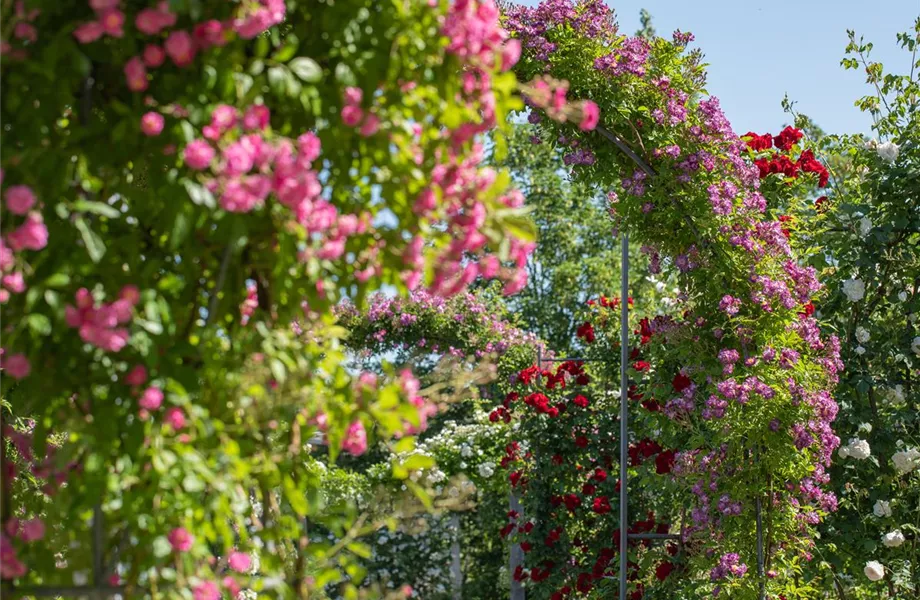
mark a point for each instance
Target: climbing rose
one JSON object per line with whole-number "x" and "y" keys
{"x": 180, "y": 539}
{"x": 239, "y": 561}
{"x": 888, "y": 151}
{"x": 153, "y": 55}
{"x": 152, "y": 123}
{"x": 198, "y": 154}
{"x": 882, "y": 508}
{"x": 874, "y": 570}
{"x": 19, "y": 199}
{"x": 89, "y": 32}
{"x": 175, "y": 418}
{"x": 151, "y": 399}
{"x": 17, "y": 366}
{"x": 31, "y": 235}
{"x": 893, "y": 539}
{"x": 854, "y": 289}
{"x": 906, "y": 460}
{"x": 206, "y": 590}
{"x": 590, "y": 116}
{"x": 180, "y": 47}
{"x": 33, "y": 529}
{"x": 136, "y": 376}
{"x": 355, "y": 439}
{"x": 787, "y": 138}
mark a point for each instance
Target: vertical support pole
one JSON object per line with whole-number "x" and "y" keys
{"x": 98, "y": 541}
{"x": 455, "y": 568}
{"x": 624, "y": 409}
{"x": 517, "y": 555}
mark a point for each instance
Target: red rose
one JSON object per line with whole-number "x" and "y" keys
{"x": 664, "y": 462}
{"x": 519, "y": 574}
{"x": 507, "y": 529}
{"x": 580, "y": 400}
{"x": 641, "y": 366}
{"x": 651, "y": 405}
{"x": 819, "y": 204}
{"x": 585, "y": 332}
{"x": 525, "y": 546}
{"x": 680, "y": 382}
{"x": 601, "y": 505}
{"x": 787, "y": 138}
{"x": 572, "y": 502}
{"x": 588, "y": 489}
{"x": 557, "y": 459}
{"x": 528, "y": 527}
{"x": 584, "y": 584}
{"x": 581, "y": 441}
{"x": 600, "y": 475}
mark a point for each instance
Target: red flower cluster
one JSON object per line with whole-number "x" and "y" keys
{"x": 787, "y": 138}
{"x": 585, "y": 331}
{"x": 681, "y": 382}
{"x": 778, "y": 163}
{"x": 758, "y": 142}
{"x": 785, "y": 230}
{"x": 644, "y": 449}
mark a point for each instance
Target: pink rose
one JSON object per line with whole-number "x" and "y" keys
{"x": 309, "y": 146}
{"x": 152, "y": 124}
{"x": 180, "y": 47}
{"x": 151, "y": 399}
{"x": 31, "y": 235}
{"x": 510, "y": 54}
{"x": 16, "y": 366}
{"x": 136, "y": 74}
{"x": 175, "y": 418}
{"x": 224, "y": 117}
{"x": 590, "y": 115}
{"x": 351, "y": 115}
{"x": 89, "y": 32}
{"x": 112, "y": 21}
{"x": 355, "y": 442}
{"x": 153, "y": 21}
{"x": 239, "y": 561}
{"x": 210, "y": 33}
{"x": 154, "y": 55}
{"x": 25, "y": 31}
{"x": 198, "y": 154}
{"x": 180, "y": 539}
{"x": 14, "y": 282}
{"x": 19, "y": 199}
{"x": 32, "y": 530}
{"x": 371, "y": 125}
{"x": 257, "y": 117}
{"x": 206, "y": 590}
{"x": 136, "y": 376}
{"x": 100, "y": 5}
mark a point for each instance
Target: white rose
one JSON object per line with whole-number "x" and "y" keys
{"x": 865, "y": 226}
{"x": 860, "y": 350}
{"x": 854, "y": 289}
{"x": 896, "y": 394}
{"x": 859, "y": 449}
{"x": 862, "y": 335}
{"x": 843, "y": 452}
{"x": 906, "y": 460}
{"x": 871, "y": 145}
{"x": 882, "y": 508}
{"x": 893, "y": 539}
{"x": 888, "y": 151}
{"x": 874, "y": 570}
{"x": 902, "y": 296}
{"x": 915, "y": 345}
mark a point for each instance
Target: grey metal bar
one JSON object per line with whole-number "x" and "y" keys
{"x": 517, "y": 555}
{"x": 624, "y": 410}
{"x": 572, "y": 359}
{"x": 456, "y": 570}
{"x": 98, "y": 550}
{"x": 627, "y": 150}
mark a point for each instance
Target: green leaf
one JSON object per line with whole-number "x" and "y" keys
{"x": 306, "y": 69}
{"x": 94, "y": 244}
{"x": 192, "y": 483}
{"x": 99, "y": 208}
{"x": 199, "y": 194}
{"x": 57, "y": 280}
{"x": 161, "y": 547}
{"x": 39, "y": 323}
{"x": 295, "y": 496}
{"x": 277, "y": 80}
{"x": 418, "y": 461}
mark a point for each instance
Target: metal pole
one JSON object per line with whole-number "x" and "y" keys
{"x": 455, "y": 568}
{"x": 624, "y": 409}
{"x": 517, "y": 555}
{"x": 98, "y": 540}
{"x": 760, "y": 561}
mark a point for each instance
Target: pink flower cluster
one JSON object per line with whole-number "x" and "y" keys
{"x": 180, "y": 46}
{"x": 352, "y": 114}
{"x": 98, "y": 323}
{"x": 475, "y": 35}
{"x": 31, "y": 234}
{"x": 355, "y": 442}
{"x": 250, "y": 304}
{"x": 550, "y": 95}
{"x": 24, "y": 32}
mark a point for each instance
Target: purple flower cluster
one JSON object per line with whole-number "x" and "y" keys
{"x": 630, "y": 58}
{"x": 729, "y": 564}
{"x": 722, "y": 197}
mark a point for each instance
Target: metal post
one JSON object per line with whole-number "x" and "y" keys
{"x": 624, "y": 409}
{"x": 455, "y": 568}
{"x": 98, "y": 541}
{"x": 760, "y": 561}
{"x": 517, "y": 555}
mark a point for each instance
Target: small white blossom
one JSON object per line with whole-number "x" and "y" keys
{"x": 466, "y": 451}
{"x": 854, "y": 289}
{"x": 906, "y": 461}
{"x": 859, "y": 350}
{"x": 866, "y": 427}
{"x": 888, "y": 151}
{"x": 80, "y": 578}
{"x": 486, "y": 469}
{"x": 865, "y": 226}
{"x": 882, "y": 508}
{"x": 874, "y": 570}
{"x": 902, "y": 296}
{"x": 859, "y": 449}
{"x": 915, "y": 345}
{"x": 862, "y": 335}
{"x": 893, "y": 539}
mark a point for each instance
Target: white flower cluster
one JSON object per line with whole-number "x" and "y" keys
{"x": 906, "y": 461}
{"x": 882, "y": 509}
{"x": 857, "y": 448}
{"x": 888, "y": 151}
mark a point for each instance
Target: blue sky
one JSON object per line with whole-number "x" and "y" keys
{"x": 759, "y": 50}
